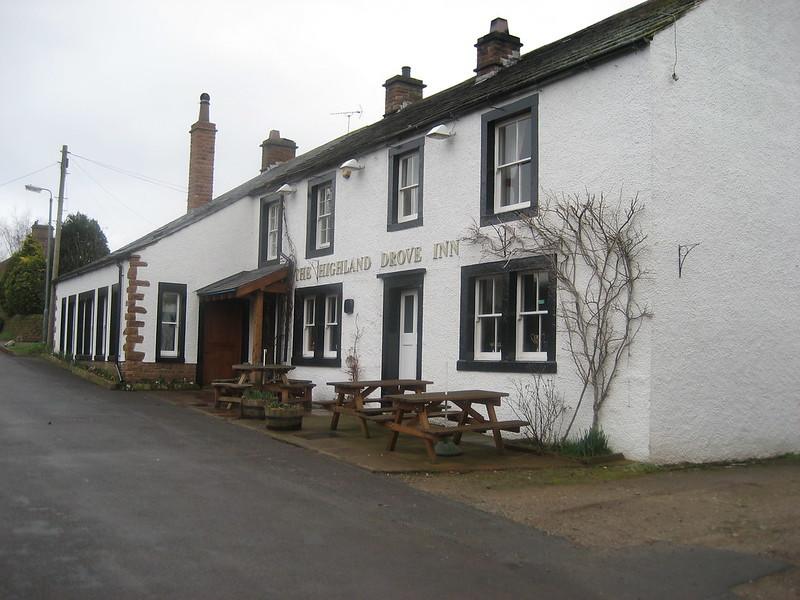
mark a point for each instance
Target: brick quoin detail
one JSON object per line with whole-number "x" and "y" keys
{"x": 134, "y": 311}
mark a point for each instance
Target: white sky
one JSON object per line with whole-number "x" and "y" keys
{"x": 119, "y": 82}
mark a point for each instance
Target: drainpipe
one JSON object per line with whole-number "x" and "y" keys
{"x": 120, "y": 316}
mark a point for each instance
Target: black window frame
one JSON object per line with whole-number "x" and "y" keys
{"x": 62, "y": 334}
{"x": 180, "y": 289}
{"x": 311, "y": 215}
{"x": 320, "y": 292}
{"x": 99, "y": 331}
{"x": 396, "y": 154}
{"x": 71, "y": 308}
{"x": 508, "y": 271}
{"x": 83, "y": 346}
{"x": 489, "y": 121}
{"x": 113, "y": 334}
{"x": 263, "y": 244}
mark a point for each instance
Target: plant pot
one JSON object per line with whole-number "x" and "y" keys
{"x": 252, "y": 408}
{"x": 284, "y": 419}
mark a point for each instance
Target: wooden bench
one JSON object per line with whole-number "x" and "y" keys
{"x": 296, "y": 391}
{"x": 228, "y": 388}
{"x": 483, "y": 427}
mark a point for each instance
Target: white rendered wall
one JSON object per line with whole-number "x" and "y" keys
{"x": 216, "y": 247}
{"x": 91, "y": 281}
{"x": 726, "y": 158}
{"x": 593, "y": 134}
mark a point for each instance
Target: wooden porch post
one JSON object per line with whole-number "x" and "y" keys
{"x": 258, "y": 324}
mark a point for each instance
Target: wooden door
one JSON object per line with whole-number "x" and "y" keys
{"x": 223, "y": 338}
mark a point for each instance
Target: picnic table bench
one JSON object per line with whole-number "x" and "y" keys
{"x": 230, "y": 388}
{"x": 421, "y": 407}
{"x": 351, "y": 397}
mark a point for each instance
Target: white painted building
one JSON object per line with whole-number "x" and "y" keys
{"x": 706, "y": 137}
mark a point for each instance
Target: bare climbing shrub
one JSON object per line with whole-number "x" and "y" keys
{"x": 537, "y": 401}
{"x": 352, "y": 361}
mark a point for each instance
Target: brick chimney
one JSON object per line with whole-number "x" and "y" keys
{"x": 39, "y": 233}
{"x": 497, "y": 49}
{"x": 402, "y": 90}
{"x": 276, "y": 150}
{"x": 201, "y": 158}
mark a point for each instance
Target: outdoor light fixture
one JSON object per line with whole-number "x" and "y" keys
{"x": 348, "y": 166}
{"x": 287, "y": 189}
{"x": 440, "y": 132}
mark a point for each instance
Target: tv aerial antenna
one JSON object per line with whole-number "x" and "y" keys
{"x": 349, "y": 114}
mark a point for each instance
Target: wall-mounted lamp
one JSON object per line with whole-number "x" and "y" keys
{"x": 348, "y": 166}
{"x": 441, "y": 132}
{"x": 287, "y": 189}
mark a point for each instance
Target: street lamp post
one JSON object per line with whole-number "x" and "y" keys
{"x": 47, "y": 282}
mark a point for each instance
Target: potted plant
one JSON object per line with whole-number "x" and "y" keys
{"x": 253, "y": 403}
{"x": 284, "y": 417}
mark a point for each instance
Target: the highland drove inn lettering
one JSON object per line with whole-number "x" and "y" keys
{"x": 390, "y": 258}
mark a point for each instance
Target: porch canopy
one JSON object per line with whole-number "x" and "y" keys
{"x": 271, "y": 279}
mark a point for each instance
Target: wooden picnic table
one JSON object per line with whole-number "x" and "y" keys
{"x": 263, "y": 373}
{"x": 352, "y": 395}
{"x": 422, "y": 406}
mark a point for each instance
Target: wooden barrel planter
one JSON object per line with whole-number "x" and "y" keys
{"x": 252, "y": 408}
{"x": 288, "y": 418}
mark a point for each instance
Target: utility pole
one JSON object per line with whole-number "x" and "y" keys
{"x": 57, "y": 249}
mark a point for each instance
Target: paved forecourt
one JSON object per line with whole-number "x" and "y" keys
{"x": 120, "y": 495}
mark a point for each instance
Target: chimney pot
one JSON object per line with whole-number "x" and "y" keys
{"x": 402, "y": 90}
{"x": 201, "y": 157}
{"x": 276, "y": 150}
{"x": 496, "y": 49}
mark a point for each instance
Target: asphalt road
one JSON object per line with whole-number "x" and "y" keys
{"x": 124, "y": 495}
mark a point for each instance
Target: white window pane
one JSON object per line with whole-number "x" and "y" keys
{"x": 524, "y": 138}
{"x": 527, "y": 282}
{"x": 485, "y": 295}
{"x": 309, "y": 311}
{"x": 524, "y": 182}
{"x": 506, "y": 144}
{"x": 508, "y": 184}
{"x": 488, "y": 335}
{"x": 168, "y": 335}
{"x": 169, "y": 308}
{"x": 531, "y": 333}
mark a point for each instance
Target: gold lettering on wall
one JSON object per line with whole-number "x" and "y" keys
{"x": 445, "y": 249}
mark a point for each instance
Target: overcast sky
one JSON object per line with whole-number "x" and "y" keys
{"x": 119, "y": 83}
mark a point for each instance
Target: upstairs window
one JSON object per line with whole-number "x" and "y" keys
{"x": 321, "y": 216}
{"x": 171, "y": 332}
{"x": 317, "y": 326}
{"x": 324, "y": 200}
{"x": 271, "y": 230}
{"x": 405, "y": 185}
{"x": 509, "y": 162}
{"x": 512, "y": 164}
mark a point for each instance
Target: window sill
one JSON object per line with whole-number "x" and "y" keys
{"x": 508, "y": 216}
{"x": 506, "y": 366}
{"x": 399, "y": 226}
{"x": 170, "y": 359}
{"x": 317, "y": 252}
{"x": 302, "y": 361}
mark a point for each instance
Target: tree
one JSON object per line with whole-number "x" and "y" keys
{"x": 82, "y": 242}
{"x": 13, "y": 232}
{"x": 595, "y": 247}
{"x": 22, "y": 285}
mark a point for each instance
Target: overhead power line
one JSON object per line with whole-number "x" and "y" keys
{"x": 134, "y": 174}
{"x": 28, "y": 174}
{"x": 113, "y": 196}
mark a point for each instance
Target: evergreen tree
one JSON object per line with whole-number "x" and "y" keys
{"x": 22, "y": 285}
{"x": 82, "y": 242}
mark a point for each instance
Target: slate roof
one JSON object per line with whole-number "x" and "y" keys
{"x": 230, "y": 284}
{"x": 618, "y": 33}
